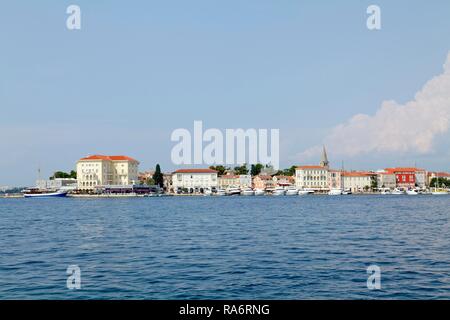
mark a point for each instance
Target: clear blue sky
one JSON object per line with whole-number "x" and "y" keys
{"x": 137, "y": 70}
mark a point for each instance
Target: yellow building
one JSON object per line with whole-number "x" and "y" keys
{"x": 100, "y": 170}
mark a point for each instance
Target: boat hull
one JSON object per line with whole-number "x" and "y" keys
{"x": 46, "y": 195}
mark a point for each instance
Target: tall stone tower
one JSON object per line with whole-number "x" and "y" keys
{"x": 324, "y": 161}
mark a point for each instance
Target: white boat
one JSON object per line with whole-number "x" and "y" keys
{"x": 398, "y": 191}
{"x": 248, "y": 192}
{"x": 221, "y": 192}
{"x": 259, "y": 192}
{"x": 385, "y": 191}
{"x": 279, "y": 191}
{"x": 38, "y": 193}
{"x": 291, "y": 191}
{"x": 335, "y": 192}
{"x": 412, "y": 192}
{"x": 305, "y": 192}
{"x": 439, "y": 192}
{"x": 233, "y": 191}
{"x": 347, "y": 192}
{"x": 207, "y": 192}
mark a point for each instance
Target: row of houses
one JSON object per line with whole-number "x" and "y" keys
{"x": 98, "y": 171}
{"x": 318, "y": 178}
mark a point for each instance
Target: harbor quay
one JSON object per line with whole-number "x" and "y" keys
{"x": 106, "y": 176}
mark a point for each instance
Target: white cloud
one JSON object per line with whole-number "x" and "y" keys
{"x": 395, "y": 128}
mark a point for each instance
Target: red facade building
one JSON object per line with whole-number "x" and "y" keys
{"x": 408, "y": 177}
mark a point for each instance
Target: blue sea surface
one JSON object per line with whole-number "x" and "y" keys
{"x": 312, "y": 247}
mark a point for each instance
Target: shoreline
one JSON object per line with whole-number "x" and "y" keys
{"x": 115, "y": 196}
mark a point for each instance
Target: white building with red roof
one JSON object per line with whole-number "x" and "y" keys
{"x": 194, "y": 180}
{"x": 235, "y": 180}
{"x": 358, "y": 181}
{"x": 386, "y": 180}
{"x": 100, "y": 170}
{"x": 437, "y": 175}
{"x": 311, "y": 177}
{"x": 314, "y": 177}
{"x": 407, "y": 177}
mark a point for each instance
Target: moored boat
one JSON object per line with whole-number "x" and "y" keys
{"x": 279, "y": 191}
{"x": 248, "y": 192}
{"x": 221, "y": 192}
{"x": 41, "y": 193}
{"x": 233, "y": 191}
{"x": 259, "y": 192}
{"x": 291, "y": 191}
{"x": 412, "y": 192}
{"x": 398, "y": 191}
{"x": 439, "y": 192}
{"x": 335, "y": 192}
{"x": 347, "y": 192}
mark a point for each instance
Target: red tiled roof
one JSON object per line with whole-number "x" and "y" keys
{"x": 264, "y": 177}
{"x": 230, "y": 176}
{"x": 440, "y": 174}
{"x": 284, "y": 177}
{"x": 406, "y": 169}
{"x": 111, "y": 158}
{"x": 195, "y": 171}
{"x": 310, "y": 167}
{"x": 358, "y": 174}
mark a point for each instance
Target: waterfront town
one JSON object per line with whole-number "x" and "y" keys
{"x": 102, "y": 175}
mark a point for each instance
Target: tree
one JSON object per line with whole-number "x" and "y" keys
{"x": 374, "y": 184}
{"x": 256, "y": 169}
{"x": 158, "y": 177}
{"x": 220, "y": 169}
{"x": 286, "y": 172}
{"x": 64, "y": 175}
{"x": 290, "y": 171}
{"x": 439, "y": 182}
{"x": 241, "y": 169}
